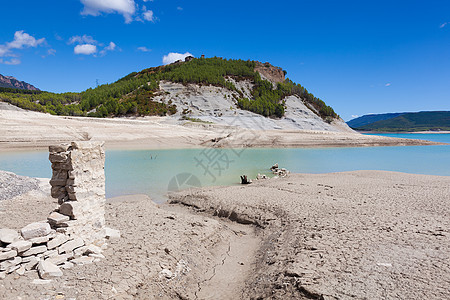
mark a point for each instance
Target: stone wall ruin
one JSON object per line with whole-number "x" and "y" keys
{"x": 74, "y": 233}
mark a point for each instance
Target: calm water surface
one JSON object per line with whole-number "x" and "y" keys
{"x": 154, "y": 172}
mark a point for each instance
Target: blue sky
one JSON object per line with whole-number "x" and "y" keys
{"x": 358, "y": 56}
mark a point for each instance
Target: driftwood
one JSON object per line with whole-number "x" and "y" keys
{"x": 245, "y": 180}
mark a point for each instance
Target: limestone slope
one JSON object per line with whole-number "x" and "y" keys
{"x": 218, "y": 105}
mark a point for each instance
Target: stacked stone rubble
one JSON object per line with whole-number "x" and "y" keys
{"x": 75, "y": 233}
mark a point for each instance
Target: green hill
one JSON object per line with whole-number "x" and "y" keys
{"x": 134, "y": 94}
{"x": 410, "y": 122}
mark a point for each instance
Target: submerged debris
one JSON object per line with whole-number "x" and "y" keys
{"x": 280, "y": 172}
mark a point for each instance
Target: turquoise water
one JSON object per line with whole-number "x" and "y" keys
{"x": 154, "y": 172}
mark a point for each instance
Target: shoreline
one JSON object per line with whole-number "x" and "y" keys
{"x": 314, "y": 142}
{"x": 26, "y": 130}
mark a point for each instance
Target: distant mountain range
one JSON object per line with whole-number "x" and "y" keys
{"x": 13, "y": 83}
{"x": 403, "y": 122}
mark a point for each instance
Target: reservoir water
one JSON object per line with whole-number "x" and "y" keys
{"x": 155, "y": 172}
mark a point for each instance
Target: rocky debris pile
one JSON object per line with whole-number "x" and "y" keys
{"x": 12, "y": 185}
{"x": 39, "y": 247}
{"x": 279, "y": 172}
{"x": 73, "y": 234}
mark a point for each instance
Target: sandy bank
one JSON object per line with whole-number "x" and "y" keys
{"x": 31, "y": 130}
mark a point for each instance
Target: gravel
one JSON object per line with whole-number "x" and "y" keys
{"x": 12, "y": 185}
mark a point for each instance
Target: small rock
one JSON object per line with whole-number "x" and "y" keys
{"x": 384, "y": 264}
{"x": 47, "y": 270}
{"x": 67, "y": 265}
{"x": 84, "y": 260}
{"x": 35, "y": 230}
{"x": 34, "y": 250}
{"x": 166, "y": 273}
{"x": 21, "y": 271}
{"x": 57, "y": 218}
{"x": 20, "y": 246}
{"x": 112, "y": 233}
{"x": 96, "y": 255}
{"x": 8, "y": 236}
{"x": 7, "y": 255}
{"x": 79, "y": 251}
{"x": 92, "y": 249}
{"x": 12, "y": 269}
{"x": 41, "y": 281}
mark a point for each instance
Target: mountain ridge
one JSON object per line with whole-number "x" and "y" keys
{"x": 206, "y": 89}
{"x": 403, "y": 122}
{"x": 14, "y": 83}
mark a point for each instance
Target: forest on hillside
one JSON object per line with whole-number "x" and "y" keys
{"x": 134, "y": 93}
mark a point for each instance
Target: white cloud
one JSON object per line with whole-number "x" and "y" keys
{"x": 111, "y": 46}
{"x": 355, "y": 116}
{"x": 51, "y": 51}
{"x": 443, "y": 25}
{"x": 86, "y": 49}
{"x": 148, "y": 14}
{"x": 173, "y": 57}
{"x": 144, "y": 49}
{"x": 13, "y": 61}
{"x": 84, "y": 39}
{"x": 388, "y": 84}
{"x": 179, "y": 8}
{"x": 127, "y": 8}
{"x": 21, "y": 40}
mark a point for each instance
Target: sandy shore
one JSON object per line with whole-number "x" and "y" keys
{"x": 363, "y": 235}
{"x": 26, "y": 130}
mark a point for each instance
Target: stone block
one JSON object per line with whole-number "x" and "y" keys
{"x": 47, "y": 270}
{"x": 31, "y": 263}
{"x": 61, "y": 157}
{"x": 35, "y": 230}
{"x": 58, "y": 191}
{"x": 57, "y": 218}
{"x": 50, "y": 253}
{"x": 58, "y": 182}
{"x": 7, "y": 264}
{"x": 20, "y": 246}
{"x": 71, "y": 245}
{"x": 59, "y": 259}
{"x": 40, "y": 240}
{"x": 8, "y": 254}
{"x": 8, "y": 236}
{"x": 57, "y": 241}
{"x": 59, "y": 148}
{"x": 34, "y": 250}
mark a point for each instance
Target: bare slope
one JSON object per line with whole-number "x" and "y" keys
{"x": 217, "y": 105}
